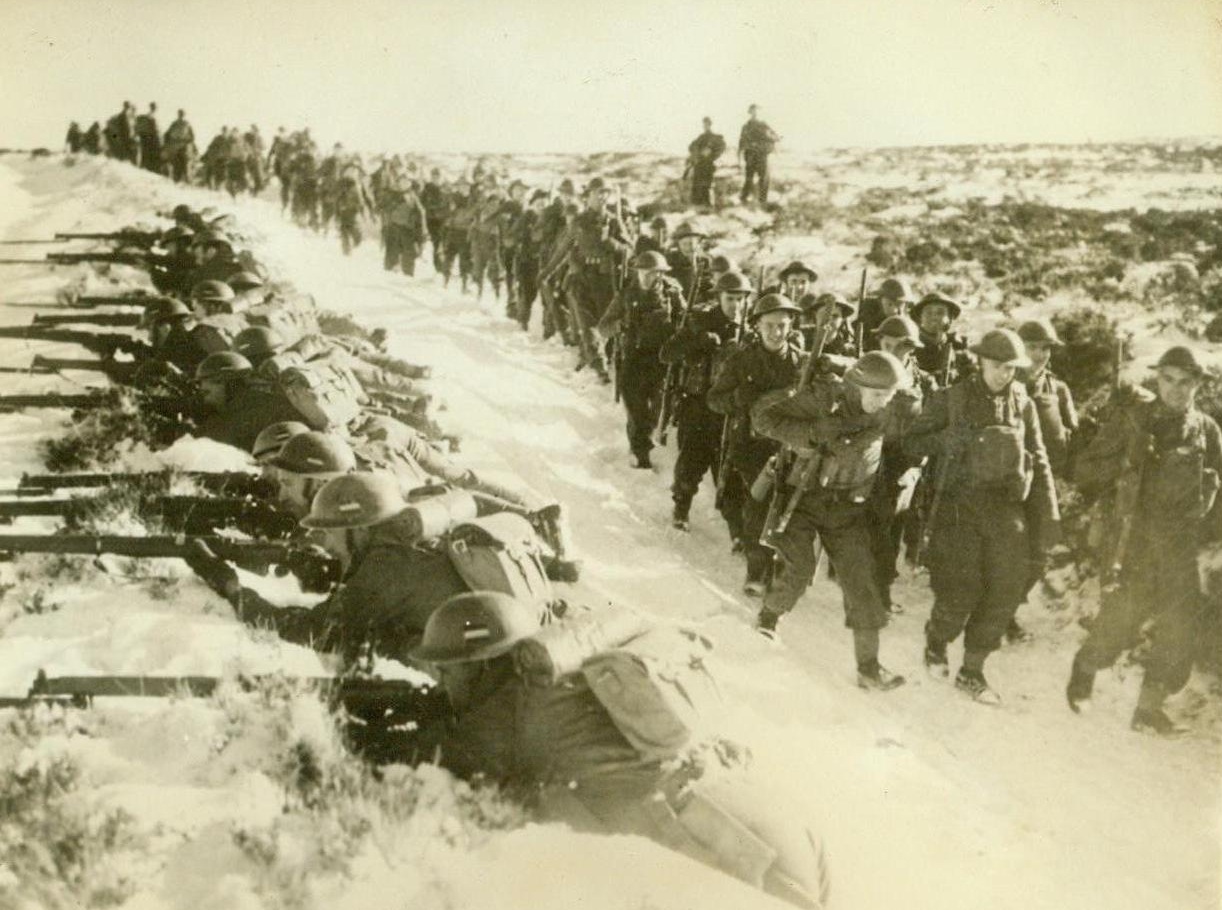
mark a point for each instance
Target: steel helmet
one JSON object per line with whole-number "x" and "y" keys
{"x": 597, "y": 185}
{"x": 1002, "y": 345}
{"x": 687, "y": 230}
{"x": 164, "y": 309}
{"x": 244, "y": 281}
{"x": 355, "y": 501}
{"x": 315, "y": 454}
{"x": 566, "y": 186}
{"x": 1038, "y": 331}
{"x": 475, "y": 626}
{"x": 953, "y": 307}
{"x": 222, "y": 363}
{"x": 773, "y": 303}
{"x": 894, "y": 289}
{"x": 256, "y": 343}
{"x": 900, "y": 327}
{"x": 1182, "y": 358}
{"x": 181, "y": 212}
{"x": 798, "y": 267}
{"x": 830, "y": 297}
{"x": 721, "y": 263}
{"x": 212, "y": 290}
{"x": 650, "y": 261}
{"x": 658, "y": 221}
{"x": 213, "y": 238}
{"x": 271, "y": 439}
{"x": 177, "y": 232}
{"x": 877, "y": 370}
{"x": 734, "y": 283}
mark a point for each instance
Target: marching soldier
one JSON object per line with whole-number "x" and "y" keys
{"x": 994, "y": 502}
{"x": 1157, "y": 463}
{"x": 899, "y": 475}
{"x": 404, "y": 230}
{"x": 829, "y": 317}
{"x": 706, "y": 335}
{"x": 150, "y": 140}
{"x": 528, "y": 246}
{"x": 1058, "y": 422}
{"x": 594, "y": 247}
{"x": 509, "y": 216}
{"x": 702, "y": 155}
{"x": 457, "y": 246}
{"x": 689, "y": 265}
{"x": 436, "y": 201}
{"x": 943, "y": 352}
{"x": 768, "y": 359}
{"x": 486, "y": 239}
{"x": 639, "y": 321}
{"x": 795, "y": 280}
{"x": 892, "y": 299}
{"x": 839, "y": 427}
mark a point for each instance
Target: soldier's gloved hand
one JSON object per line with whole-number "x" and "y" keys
{"x": 212, "y": 570}
{"x": 712, "y": 339}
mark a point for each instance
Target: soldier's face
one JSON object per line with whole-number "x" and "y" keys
{"x": 935, "y": 320}
{"x": 460, "y": 682}
{"x": 773, "y": 329}
{"x": 687, "y": 246}
{"x": 732, "y": 304}
{"x": 1177, "y": 388}
{"x": 796, "y": 286}
{"x": 647, "y": 278}
{"x": 212, "y": 393}
{"x": 1040, "y": 353}
{"x": 829, "y": 318}
{"x": 894, "y": 307}
{"x": 996, "y": 374}
{"x": 874, "y": 400}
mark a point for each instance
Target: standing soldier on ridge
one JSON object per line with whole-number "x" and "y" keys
{"x": 702, "y": 155}
{"x": 178, "y": 149}
{"x": 150, "y": 140}
{"x": 755, "y": 144}
{"x": 1158, "y": 463}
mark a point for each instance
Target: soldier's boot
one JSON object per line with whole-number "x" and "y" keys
{"x": 973, "y": 683}
{"x": 936, "y": 662}
{"x": 1150, "y": 716}
{"x": 1081, "y": 686}
{"x": 765, "y": 622}
{"x": 873, "y": 676}
{"x": 643, "y": 462}
{"x": 679, "y": 517}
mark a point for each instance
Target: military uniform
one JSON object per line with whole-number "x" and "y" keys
{"x": 436, "y": 203}
{"x": 695, "y": 276}
{"x": 150, "y": 141}
{"x": 486, "y": 244}
{"x": 1176, "y": 458}
{"x": 702, "y": 154}
{"x": 841, "y": 451}
{"x": 642, "y": 320}
{"x": 250, "y": 405}
{"x": 385, "y": 597}
{"x": 594, "y": 247}
{"x": 458, "y": 236}
{"x": 1058, "y": 416}
{"x": 404, "y": 231}
{"x": 705, "y": 338}
{"x": 755, "y": 143}
{"x": 996, "y": 499}
{"x": 748, "y": 372}
{"x": 528, "y": 240}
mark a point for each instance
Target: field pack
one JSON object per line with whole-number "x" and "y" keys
{"x": 501, "y": 552}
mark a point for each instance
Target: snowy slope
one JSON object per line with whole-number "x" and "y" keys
{"x": 925, "y": 799}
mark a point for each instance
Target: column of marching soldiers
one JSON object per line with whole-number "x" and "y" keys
{"x": 836, "y": 428}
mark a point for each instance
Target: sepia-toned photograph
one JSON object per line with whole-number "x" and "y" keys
{"x": 655, "y": 455}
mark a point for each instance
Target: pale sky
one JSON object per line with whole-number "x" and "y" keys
{"x": 576, "y": 75}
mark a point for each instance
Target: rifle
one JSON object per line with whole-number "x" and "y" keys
{"x": 133, "y": 237}
{"x": 186, "y": 514}
{"x": 673, "y": 370}
{"x": 10, "y": 403}
{"x": 384, "y": 716}
{"x": 104, "y": 343}
{"x": 782, "y": 521}
{"x": 26, "y": 242}
{"x": 77, "y": 258}
{"x": 230, "y": 483}
{"x": 87, "y": 301}
{"x": 316, "y": 570}
{"x": 126, "y": 320}
{"x": 114, "y": 369}
{"x": 723, "y": 451}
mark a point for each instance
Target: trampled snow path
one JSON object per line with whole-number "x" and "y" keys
{"x": 926, "y": 800}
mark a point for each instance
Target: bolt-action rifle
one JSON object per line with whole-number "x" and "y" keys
{"x": 114, "y": 258}
{"x": 674, "y": 371}
{"x": 124, "y": 320}
{"x": 185, "y": 514}
{"x": 316, "y": 570}
{"x": 106, "y": 344}
{"x": 132, "y": 237}
{"x": 384, "y": 716}
{"x": 727, "y": 423}
{"x": 221, "y": 483}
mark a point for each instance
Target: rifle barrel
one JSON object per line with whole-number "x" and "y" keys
{"x": 49, "y": 400}
{"x": 126, "y": 320}
{"x": 27, "y": 242}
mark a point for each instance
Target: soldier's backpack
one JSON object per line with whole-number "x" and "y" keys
{"x": 658, "y": 691}
{"x": 324, "y": 391}
{"x": 501, "y": 552}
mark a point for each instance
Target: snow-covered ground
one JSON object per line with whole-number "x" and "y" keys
{"x": 926, "y": 800}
